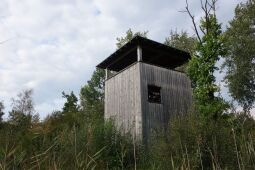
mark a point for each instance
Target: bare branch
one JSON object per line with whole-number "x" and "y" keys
{"x": 202, "y": 5}
{"x": 205, "y": 9}
{"x": 207, "y": 6}
{"x": 193, "y": 20}
{"x": 212, "y": 6}
{"x": 206, "y": 3}
{"x": 182, "y": 11}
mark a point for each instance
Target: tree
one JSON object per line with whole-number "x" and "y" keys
{"x": 92, "y": 94}
{"x": 1, "y": 111}
{"x": 181, "y": 41}
{"x": 22, "y": 108}
{"x": 71, "y": 104}
{"x": 240, "y": 61}
{"x": 70, "y": 114}
{"x": 201, "y": 68}
{"x": 121, "y": 41}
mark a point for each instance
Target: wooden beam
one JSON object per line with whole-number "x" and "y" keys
{"x": 107, "y": 73}
{"x": 121, "y": 57}
{"x": 139, "y": 54}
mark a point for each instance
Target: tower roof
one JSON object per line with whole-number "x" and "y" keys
{"x": 152, "y": 53}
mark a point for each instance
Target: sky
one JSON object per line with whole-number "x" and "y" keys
{"x": 52, "y": 46}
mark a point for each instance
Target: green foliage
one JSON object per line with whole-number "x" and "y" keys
{"x": 181, "y": 41}
{"x": 70, "y": 114}
{"x": 1, "y": 111}
{"x": 24, "y": 102}
{"x": 201, "y": 67}
{"x": 129, "y": 35}
{"x": 92, "y": 95}
{"x": 64, "y": 140}
{"x": 240, "y": 61}
{"x": 71, "y": 104}
{"x": 193, "y": 144}
{"x": 88, "y": 146}
{"x": 22, "y": 113}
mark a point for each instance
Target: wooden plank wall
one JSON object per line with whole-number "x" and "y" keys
{"x": 126, "y": 98}
{"x": 176, "y": 96}
{"x": 123, "y": 100}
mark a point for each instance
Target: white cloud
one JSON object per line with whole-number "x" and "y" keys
{"x": 55, "y": 44}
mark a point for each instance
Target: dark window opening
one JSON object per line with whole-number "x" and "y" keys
{"x": 154, "y": 95}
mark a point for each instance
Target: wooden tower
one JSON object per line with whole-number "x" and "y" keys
{"x": 142, "y": 89}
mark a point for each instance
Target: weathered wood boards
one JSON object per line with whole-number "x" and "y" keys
{"x": 123, "y": 100}
{"x": 175, "y": 96}
{"x": 126, "y": 98}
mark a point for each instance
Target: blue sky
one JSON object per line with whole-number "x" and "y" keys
{"x": 54, "y": 45}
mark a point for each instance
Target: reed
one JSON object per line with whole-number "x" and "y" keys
{"x": 188, "y": 143}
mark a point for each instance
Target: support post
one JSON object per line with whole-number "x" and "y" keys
{"x": 139, "y": 53}
{"x": 107, "y": 73}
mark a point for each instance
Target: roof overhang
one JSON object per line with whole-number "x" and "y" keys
{"x": 152, "y": 53}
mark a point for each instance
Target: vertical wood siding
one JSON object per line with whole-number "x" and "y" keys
{"x": 176, "y": 96}
{"x": 123, "y": 100}
{"x": 126, "y": 98}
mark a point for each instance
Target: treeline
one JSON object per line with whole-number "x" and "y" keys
{"x": 213, "y": 135}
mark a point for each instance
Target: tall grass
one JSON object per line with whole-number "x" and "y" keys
{"x": 96, "y": 146}
{"x": 189, "y": 143}
{"x": 193, "y": 143}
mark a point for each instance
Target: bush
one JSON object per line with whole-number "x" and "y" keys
{"x": 194, "y": 143}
